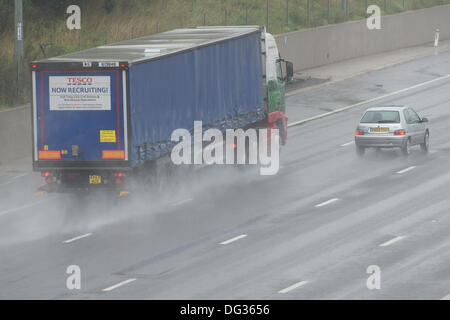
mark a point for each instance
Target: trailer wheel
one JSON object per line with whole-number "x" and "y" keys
{"x": 281, "y": 131}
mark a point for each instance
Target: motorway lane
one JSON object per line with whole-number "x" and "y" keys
{"x": 368, "y": 86}
{"x": 175, "y": 251}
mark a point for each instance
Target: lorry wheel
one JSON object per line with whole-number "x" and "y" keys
{"x": 280, "y": 128}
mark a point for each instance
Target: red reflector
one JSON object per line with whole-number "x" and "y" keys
{"x": 114, "y": 154}
{"x": 49, "y": 154}
{"x": 118, "y": 180}
{"x": 400, "y": 133}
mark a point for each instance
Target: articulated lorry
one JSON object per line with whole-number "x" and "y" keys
{"x": 100, "y": 115}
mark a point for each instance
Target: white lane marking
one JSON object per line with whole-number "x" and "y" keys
{"x": 21, "y": 175}
{"x": 406, "y": 170}
{"x": 234, "y": 239}
{"x": 13, "y": 179}
{"x": 119, "y": 285}
{"x": 447, "y": 297}
{"x": 16, "y": 108}
{"x": 23, "y": 207}
{"x": 388, "y": 243}
{"x": 367, "y": 101}
{"x": 181, "y": 202}
{"x": 326, "y": 202}
{"x": 347, "y": 144}
{"x": 294, "y": 286}
{"x": 78, "y": 238}
{"x": 6, "y": 183}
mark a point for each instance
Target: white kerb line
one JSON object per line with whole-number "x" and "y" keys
{"x": 13, "y": 179}
{"x": 23, "y": 207}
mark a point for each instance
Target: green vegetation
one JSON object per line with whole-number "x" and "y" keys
{"x": 107, "y": 21}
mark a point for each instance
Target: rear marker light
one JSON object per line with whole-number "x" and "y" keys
{"x": 49, "y": 154}
{"x": 114, "y": 154}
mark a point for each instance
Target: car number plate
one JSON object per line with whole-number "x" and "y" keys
{"x": 95, "y": 179}
{"x": 379, "y": 130}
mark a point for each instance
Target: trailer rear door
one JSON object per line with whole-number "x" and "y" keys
{"x": 80, "y": 116}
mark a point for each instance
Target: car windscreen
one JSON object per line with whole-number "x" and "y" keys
{"x": 381, "y": 117}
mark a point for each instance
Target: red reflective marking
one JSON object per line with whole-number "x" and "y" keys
{"x": 118, "y": 115}
{"x": 42, "y": 108}
{"x": 113, "y": 154}
{"x": 49, "y": 154}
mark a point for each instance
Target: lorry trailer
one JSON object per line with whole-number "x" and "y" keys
{"x": 100, "y": 114}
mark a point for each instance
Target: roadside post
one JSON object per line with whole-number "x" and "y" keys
{"x": 436, "y": 38}
{"x": 18, "y": 44}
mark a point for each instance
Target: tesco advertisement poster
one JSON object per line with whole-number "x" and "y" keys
{"x": 80, "y": 93}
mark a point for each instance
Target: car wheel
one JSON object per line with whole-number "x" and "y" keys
{"x": 406, "y": 149}
{"x": 360, "y": 151}
{"x": 425, "y": 146}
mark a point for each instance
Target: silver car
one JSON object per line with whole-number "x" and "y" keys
{"x": 392, "y": 127}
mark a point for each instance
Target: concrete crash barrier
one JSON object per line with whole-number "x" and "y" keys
{"x": 15, "y": 135}
{"x": 333, "y": 43}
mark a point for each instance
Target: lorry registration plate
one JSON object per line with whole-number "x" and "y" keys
{"x": 95, "y": 179}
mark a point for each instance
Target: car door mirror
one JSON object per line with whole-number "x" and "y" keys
{"x": 424, "y": 120}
